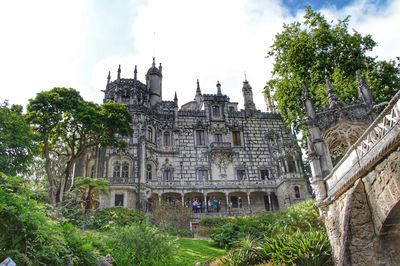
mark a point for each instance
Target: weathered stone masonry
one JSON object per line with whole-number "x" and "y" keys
{"x": 205, "y": 149}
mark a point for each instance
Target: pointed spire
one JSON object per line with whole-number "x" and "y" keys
{"x": 108, "y": 77}
{"x": 198, "y": 91}
{"x": 363, "y": 90}
{"x": 332, "y": 98}
{"x": 245, "y": 77}
{"x": 176, "y": 100}
{"x": 135, "y": 72}
{"x": 160, "y": 68}
{"x": 308, "y": 103}
{"x": 219, "y": 88}
{"x": 154, "y": 62}
{"x": 119, "y": 72}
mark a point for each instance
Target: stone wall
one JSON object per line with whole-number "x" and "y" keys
{"x": 355, "y": 220}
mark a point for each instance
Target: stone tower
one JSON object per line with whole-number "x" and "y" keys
{"x": 154, "y": 84}
{"x": 248, "y": 96}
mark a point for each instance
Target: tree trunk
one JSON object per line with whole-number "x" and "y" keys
{"x": 50, "y": 177}
{"x": 88, "y": 199}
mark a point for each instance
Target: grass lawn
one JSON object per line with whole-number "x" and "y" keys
{"x": 192, "y": 250}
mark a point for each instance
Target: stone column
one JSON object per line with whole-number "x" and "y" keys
{"x": 159, "y": 200}
{"x": 205, "y": 203}
{"x": 227, "y": 201}
{"x": 271, "y": 208}
{"x": 248, "y": 201}
{"x": 183, "y": 200}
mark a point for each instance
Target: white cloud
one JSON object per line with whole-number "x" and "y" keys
{"x": 43, "y": 44}
{"x": 40, "y": 46}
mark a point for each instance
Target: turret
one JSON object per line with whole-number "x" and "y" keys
{"x": 135, "y": 73}
{"x": 248, "y": 96}
{"x": 364, "y": 91}
{"x": 219, "y": 88}
{"x": 154, "y": 84}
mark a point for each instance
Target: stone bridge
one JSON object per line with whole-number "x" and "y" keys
{"x": 359, "y": 199}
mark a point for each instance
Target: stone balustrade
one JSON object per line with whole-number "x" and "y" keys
{"x": 220, "y": 184}
{"x": 380, "y": 137}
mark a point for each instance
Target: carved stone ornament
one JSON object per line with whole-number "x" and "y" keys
{"x": 222, "y": 159}
{"x": 218, "y": 129}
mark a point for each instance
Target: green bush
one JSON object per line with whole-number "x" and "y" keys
{"x": 226, "y": 235}
{"x": 245, "y": 252}
{"x": 213, "y": 221}
{"x": 140, "y": 244}
{"x": 31, "y": 237}
{"x": 116, "y": 216}
{"x": 308, "y": 248}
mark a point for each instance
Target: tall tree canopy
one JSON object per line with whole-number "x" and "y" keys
{"x": 308, "y": 52}
{"x": 69, "y": 126}
{"x": 16, "y": 140}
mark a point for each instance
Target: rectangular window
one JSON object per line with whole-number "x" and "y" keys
{"x": 119, "y": 200}
{"x": 167, "y": 175}
{"x": 202, "y": 175}
{"x": 218, "y": 137}
{"x": 240, "y": 174}
{"x": 264, "y": 174}
{"x": 216, "y": 111}
{"x": 167, "y": 138}
{"x": 231, "y": 109}
{"x": 236, "y": 140}
{"x": 200, "y": 138}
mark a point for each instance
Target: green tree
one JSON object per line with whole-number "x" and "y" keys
{"x": 308, "y": 52}
{"x": 68, "y": 126}
{"x": 16, "y": 140}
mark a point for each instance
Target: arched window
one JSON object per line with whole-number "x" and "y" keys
{"x": 117, "y": 169}
{"x": 125, "y": 169}
{"x": 297, "y": 192}
{"x": 167, "y": 138}
{"x": 120, "y": 169}
{"x": 150, "y": 134}
{"x": 149, "y": 170}
{"x": 290, "y": 164}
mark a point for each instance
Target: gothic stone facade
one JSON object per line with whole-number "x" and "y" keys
{"x": 207, "y": 149}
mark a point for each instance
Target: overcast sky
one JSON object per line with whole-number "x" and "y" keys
{"x": 45, "y": 44}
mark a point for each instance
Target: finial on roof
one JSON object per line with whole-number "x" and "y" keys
{"x": 119, "y": 72}
{"x": 160, "y": 68}
{"x": 308, "y": 103}
{"x": 198, "y": 91}
{"x": 109, "y": 77}
{"x": 245, "y": 77}
{"x": 363, "y": 89}
{"x": 135, "y": 72}
{"x": 219, "y": 88}
{"x": 332, "y": 98}
{"x": 176, "y": 100}
{"x": 154, "y": 62}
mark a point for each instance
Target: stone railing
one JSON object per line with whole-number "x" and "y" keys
{"x": 122, "y": 181}
{"x": 380, "y": 137}
{"x": 220, "y": 146}
{"x": 218, "y": 184}
{"x": 286, "y": 176}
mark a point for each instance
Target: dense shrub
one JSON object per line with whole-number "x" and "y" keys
{"x": 117, "y": 216}
{"x": 140, "y": 244}
{"x": 245, "y": 252}
{"x": 226, "y": 235}
{"x": 31, "y": 237}
{"x": 212, "y": 221}
{"x": 308, "y": 248}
